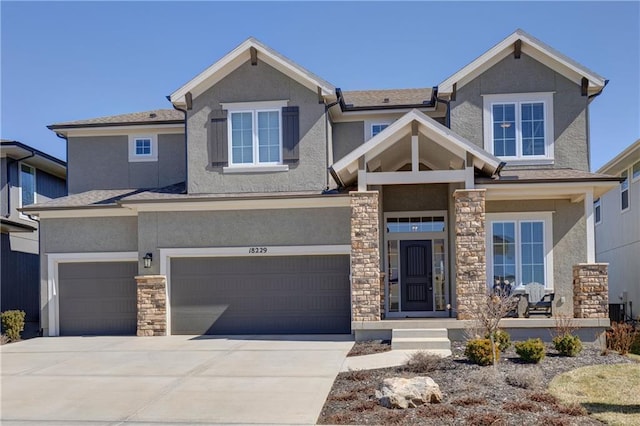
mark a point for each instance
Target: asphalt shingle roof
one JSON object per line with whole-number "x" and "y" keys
{"x": 389, "y": 97}
{"x": 145, "y": 117}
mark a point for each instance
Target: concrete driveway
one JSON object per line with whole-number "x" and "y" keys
{"x": 169, "y": 380}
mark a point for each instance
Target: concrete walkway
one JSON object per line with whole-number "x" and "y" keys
{"x": 169, "y": 380}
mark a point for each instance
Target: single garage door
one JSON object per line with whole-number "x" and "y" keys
{"x": 97, "y": 298}
{"x": 260, "y": 295}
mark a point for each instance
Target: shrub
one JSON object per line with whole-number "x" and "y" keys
{"x": 567, "y": 344}
{"x": 621, "y": 337}
{"x": 635, "y": 346}
{"x": 479, "y": 351}
{"x": 501, "y": 338}
{"x": 525, "y": 378}
{"x": 423, "y": 362}
{"x": 531, "y": 351}
{"x": 12, "y": 324}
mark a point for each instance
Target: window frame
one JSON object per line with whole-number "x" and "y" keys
{"x": 368, "y": 127}
{"x": 547, "y": 228}
{"x": 623, "y": 190}
{"x": 635, "y": 178}
{"x": 597, "y": 211}
{"x": 517, "y": 99}
{"x": 134, "y": 157}
{"x": 35, "y": 186}
{"x": 254, "y": 108}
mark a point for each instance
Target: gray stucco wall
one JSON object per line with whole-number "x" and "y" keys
{"x": 96, "y": 234}
{"x": 569, "y": 241}
{"x": 521, "y": 76}
{"x": 346, "y": 138}
{"x": 242, "y": 229}
{"x": 252, "y": 84}
{"x": 102, "y": 162}
{"x": 398, "y": 198}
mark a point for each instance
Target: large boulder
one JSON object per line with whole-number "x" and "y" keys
{"x": 397, "y": 392}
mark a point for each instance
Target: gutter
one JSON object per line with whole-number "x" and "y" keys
{"x": 186, "y": 160}
{"x": 347, "y": 107}
{"x": 55, "y": 127}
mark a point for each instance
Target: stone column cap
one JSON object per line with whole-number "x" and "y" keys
{"x": 593, "y": 264}
{"x": 147, "y": 277}
{"x": 460, "y": 191}
{"x": 364, "y": 192}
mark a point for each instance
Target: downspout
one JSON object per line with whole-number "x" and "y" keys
{"x": 186, "y": 160}
{"x": 66, "y": 147}
{"x": 326, "y": 141}
{"x": 14, "y": 160}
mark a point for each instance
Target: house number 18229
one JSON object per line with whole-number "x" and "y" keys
{"x": 257, "y": 250}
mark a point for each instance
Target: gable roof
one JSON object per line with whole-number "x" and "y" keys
{"x": 242, "y": 54}
{"x": 33, "y": 156}
{"x": 626, "y": 158}
{"x": 346, "y": 168}
{"x": 156, "y": 116}
{"x": 534, "y": 48}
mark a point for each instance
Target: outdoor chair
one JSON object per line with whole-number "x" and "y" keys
{"x": 538, "y": 301}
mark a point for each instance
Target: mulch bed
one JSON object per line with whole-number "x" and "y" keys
{"x": 472, "y": 395}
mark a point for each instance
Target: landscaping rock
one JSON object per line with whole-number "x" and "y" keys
{"x": 403, "y": 393}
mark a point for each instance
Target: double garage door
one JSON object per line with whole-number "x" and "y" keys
{"x": 214, "y": 295}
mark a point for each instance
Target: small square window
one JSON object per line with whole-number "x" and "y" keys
{"x": 143, "y": 146}
{"x": 377, "y": 128}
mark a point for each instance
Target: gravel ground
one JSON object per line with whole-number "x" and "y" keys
{"x": 473, "y": 395}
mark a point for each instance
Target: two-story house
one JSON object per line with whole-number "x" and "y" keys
{"x": 270, "y": 201}
{"x": 617, "y": 219}
{"x": 27, "y": 176}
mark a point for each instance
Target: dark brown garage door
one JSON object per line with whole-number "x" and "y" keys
{"x": 97, "y": 298}
{"x": 261, "y": 295}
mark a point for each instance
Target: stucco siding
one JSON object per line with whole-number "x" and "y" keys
{"x": 526, "y": 75}
{"x": 346, "y": 138}
{"x": 99, "y": 234}
{"x": 252, "y": 84}
{"x": 569, "y": 241}
{"x": 321, "y": 226}
{"x": 102, "y": 162}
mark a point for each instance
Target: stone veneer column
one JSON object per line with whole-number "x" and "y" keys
{"x": 471, "y": 262}
{"x": 152, "y": 305}
{"x": 590, "y": 290}
{"x": 365, "y": 257}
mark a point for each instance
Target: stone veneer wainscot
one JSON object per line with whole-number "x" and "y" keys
{"x": 152, "y": 305}
{"x": 590, "y": 290}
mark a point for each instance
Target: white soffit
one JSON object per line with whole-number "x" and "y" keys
{"x": 239, "y": 56}
{"x": 532, "y": 47}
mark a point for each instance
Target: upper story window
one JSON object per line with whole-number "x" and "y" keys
{"x": 635, "y": 171}
{"x": 519, "y": 127}
{"x": 624, "y": 191}
{"x": 377, "y": 128}
{"x": 597, "y": 211}
{"x": 27, "y": 185}
{"x": 373, "y": 127}
{"x": 255, "y": 134}
{"x": 143, "y": 148}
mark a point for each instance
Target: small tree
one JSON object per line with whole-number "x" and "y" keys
{"x": 486, "y": 316}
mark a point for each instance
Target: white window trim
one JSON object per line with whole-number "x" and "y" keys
{"x": 254, "y": 108}
{"x": 368, "y": 127}
{"x": 597, "y": 204}
{"x": 634, "y": 179}
{"x": 135, "y": 158}
{"x": 546, "y": 218}
{"x": 35, "y": 185}
{"x": 629, "y": 176}
{"x": 518, "y": 98}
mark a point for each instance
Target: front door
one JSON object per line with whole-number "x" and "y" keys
{"x": 416, "y": 277}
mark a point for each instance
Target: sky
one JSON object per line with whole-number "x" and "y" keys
{"x": 63, "y": 61}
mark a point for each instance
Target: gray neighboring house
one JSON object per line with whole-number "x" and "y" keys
{"x": 27, "y": 176}
{"x": 270, "y": 201}
{"x": 617, "y": 219}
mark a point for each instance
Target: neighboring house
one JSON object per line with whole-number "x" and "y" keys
{"x": 617, "y": 219}
{"x": 27, "y": 176}
{"x": 270, "y": 201}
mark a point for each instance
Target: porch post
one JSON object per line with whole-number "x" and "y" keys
{"x": 152, "y": 305}
{"x": 590, "y": 290}
{"x": 471, "y": 262}
{"x": 365, "y": 257}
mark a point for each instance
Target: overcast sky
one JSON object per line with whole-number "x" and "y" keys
{"x": 66, "y": 61}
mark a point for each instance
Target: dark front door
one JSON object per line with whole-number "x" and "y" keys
{"x": 416, "y": 275}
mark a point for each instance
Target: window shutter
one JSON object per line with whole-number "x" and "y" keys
{"x": 290, "y": 133}
{"x": 218, "y": 138}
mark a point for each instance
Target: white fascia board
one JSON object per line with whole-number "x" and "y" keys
{"x": 550, "y": 190}
{"x": 237, "y": 57}
{"x": 532, "y": 47}
{"x": 397, "y": 178}
{"x": 230, "y": 205}
{"x": 164, "y": 129}
{"x": 247, "y": 252}
{"x": 77, "y": 213}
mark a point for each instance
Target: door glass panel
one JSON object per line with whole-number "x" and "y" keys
{"x": 439, "y": 277}
{"x": 394, "y": 288}
{"x": 415, "y": 224}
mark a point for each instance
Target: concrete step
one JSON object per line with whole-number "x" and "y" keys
{"x": 424, "y": 343}
{"x": 419, "y": 332}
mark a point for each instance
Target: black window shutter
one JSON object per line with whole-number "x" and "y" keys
{"x": 218, "y": 139}
{"x": 290, "y": 133}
